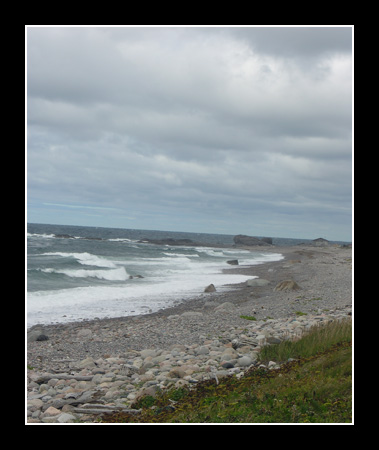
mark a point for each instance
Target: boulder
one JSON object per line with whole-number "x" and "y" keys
{"x": 210, "y": 288}
{"x": 37, "y": 335}
{"x": 66, "y": 418}
{"x": 202, "y": 350}
{"x": 244, "y": 361}
{"x": 151, "y": 391}
{"x": 229, "y": 354}
{"x": 87, "y": 363}
{"x": 287, "y": 285}
{"x": 85, "y": 333}
{"x": 177, "y": 372}
{"x": 51, "y": 411}
{"x": 233, "y": 262}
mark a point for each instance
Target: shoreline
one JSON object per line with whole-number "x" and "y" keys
{"x": 209, "y": 321}
{"x": 269, "y": 270}
{"x": 290, "y": 267}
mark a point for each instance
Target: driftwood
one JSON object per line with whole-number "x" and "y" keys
{"x": 96, "y": 408}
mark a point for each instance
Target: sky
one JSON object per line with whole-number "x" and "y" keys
{"x": 227, "y": 130}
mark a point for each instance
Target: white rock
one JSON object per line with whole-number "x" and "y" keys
{"x": 148, "y": 352}
{"x": 202, "y": 350}
{"x": 66, "y": 418}
{"x": 244, "y": 361}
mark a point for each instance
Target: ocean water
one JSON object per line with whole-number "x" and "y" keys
{"x": 78, "y": 273}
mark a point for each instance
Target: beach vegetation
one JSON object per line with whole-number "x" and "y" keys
{"x": 248, "y": 317}
{"x": 313, "y": 385}
{"x": 317, "y": 339}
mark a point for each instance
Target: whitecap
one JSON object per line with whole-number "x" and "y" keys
{"x": 37, "y": 235}
{"x": 119, "y": 274}
{"x": 120, "y": 240}
{"x": 181, "y": 255}
{"x": 210, "y": 251}
{"x": 84, "y": 258}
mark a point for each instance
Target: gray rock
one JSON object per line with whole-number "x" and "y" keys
{"x": 227, "y": 365}
{"x": 210, "y": 288}
{"x": 37, "y": 335}
{"x": 244, "y": 361}
{"x": 85, "y": 333}
{"x": 66, "y": 418}
{"x": 233, "y": 262}
{"x": 148, "y": 352}
{"x": 87, "y": 396}
{"x": 202, "y": 350}
{"x": 87, "y": 363}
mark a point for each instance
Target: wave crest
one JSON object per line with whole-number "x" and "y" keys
{"x": 119, "y": 274}
{"x": 85, "y": 258}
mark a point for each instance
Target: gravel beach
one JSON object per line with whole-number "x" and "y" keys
{"x": 78, "y": 371}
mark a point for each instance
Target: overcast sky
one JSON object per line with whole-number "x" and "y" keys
{"x": 216, "y": 129}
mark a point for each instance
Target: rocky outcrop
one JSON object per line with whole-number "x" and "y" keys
{"x": 320, "y": 242}
{"x": 179, "y": 242}
{"x": 244, "y": 240}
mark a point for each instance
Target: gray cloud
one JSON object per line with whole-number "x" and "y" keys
{"x": 233, "y": 129}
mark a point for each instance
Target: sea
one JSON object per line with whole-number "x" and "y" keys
{"x": 77, "y": 273}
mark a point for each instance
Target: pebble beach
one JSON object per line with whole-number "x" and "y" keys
{"x": 80, "y": 371}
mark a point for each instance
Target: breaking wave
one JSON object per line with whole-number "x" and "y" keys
{"x": 84, "y": 258}
{"x": 119, "y": 274}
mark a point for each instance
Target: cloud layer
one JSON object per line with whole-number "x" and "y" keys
{"x": 222, "y": 130}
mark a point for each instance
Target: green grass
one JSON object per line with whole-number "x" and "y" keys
{"x": 317, "y": 339}
{"x": 316, "y": 387}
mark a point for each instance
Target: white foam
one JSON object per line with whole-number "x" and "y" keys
{"x": 119, "y": 274}
{"x": 181, "y": 254}
{"x": 168, "y": 279}
{"x": 211, "y": 251}
{"x": 120, "y": 240}
{"x": 37, "y": 235}
{"x": 137, "y": 297}
{"x": 262, "y": 258}
{"x": 84, "y": 258}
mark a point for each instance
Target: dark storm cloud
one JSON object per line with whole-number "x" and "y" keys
{"x": 250, "y": 124}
